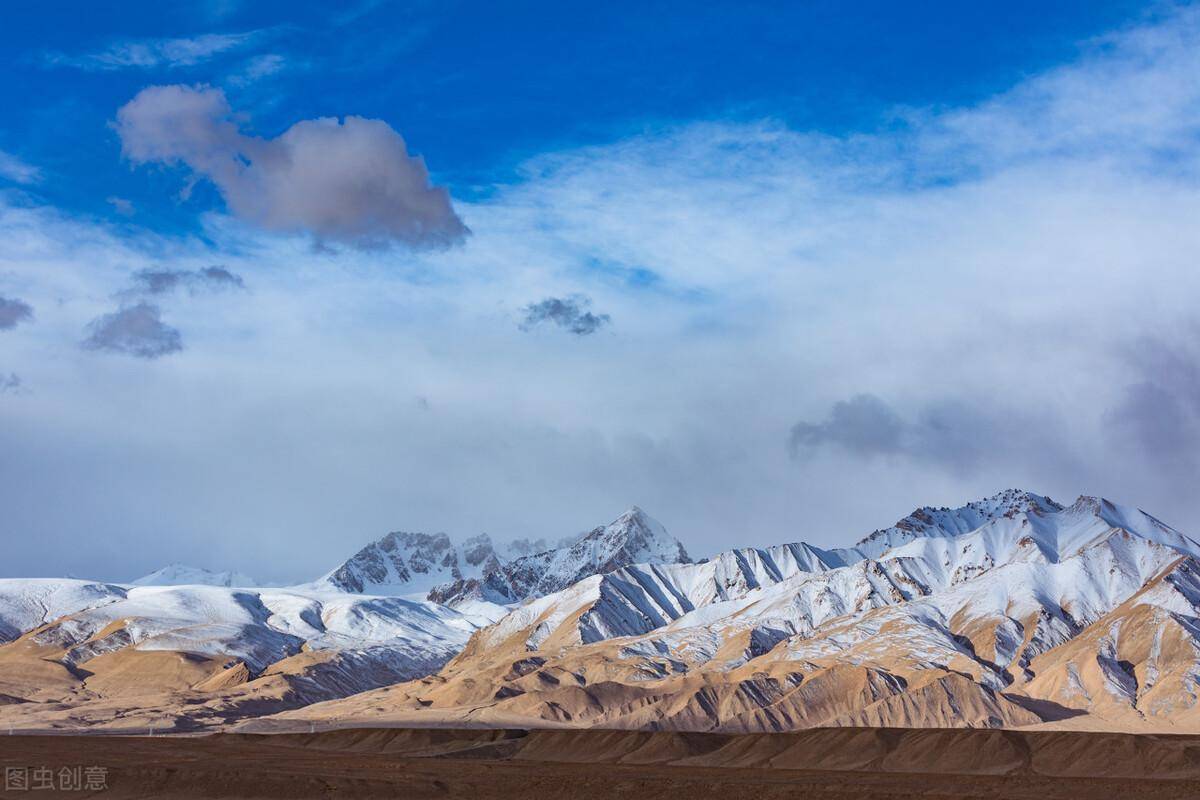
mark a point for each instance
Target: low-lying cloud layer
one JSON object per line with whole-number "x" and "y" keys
{"x": 569, "y": 313}
{"x": 349, "y": 181}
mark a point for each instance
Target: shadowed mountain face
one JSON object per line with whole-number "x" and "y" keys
{"x": 1007, "y": 612}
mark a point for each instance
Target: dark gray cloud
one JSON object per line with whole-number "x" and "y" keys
{"x": 13, "y": 311}
{"x": 569, "y": 313}
{"x": 165, "y": 281}
{"x": 351, "y": 181}
{"x": 1158, "y": 415}
{"x": 951, "y": 434}
{"x": 136, "y": 330}
{"x": 10, "y": 383}
{"x": 864, "y": 425}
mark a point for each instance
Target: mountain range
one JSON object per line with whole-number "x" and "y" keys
{"x": 1013, "y": 611}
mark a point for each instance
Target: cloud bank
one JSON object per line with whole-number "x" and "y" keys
{"x": 942, "y": 310}
{"x": 349, "y": 181}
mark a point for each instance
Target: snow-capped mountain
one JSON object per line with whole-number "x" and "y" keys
{"x": 928, "y": 522}
{"x": 1009, "y": 611}
{"x": 632, "y": 538}
{"x": 641, "y": 598}
{"x": 89, "y": 645}
{"x": 410, "y": 564}
{"x": 184, "y": 575}
{"x": 475, "y": 576}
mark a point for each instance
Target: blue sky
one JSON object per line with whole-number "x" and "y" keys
{"x": 477, "y": 88}
{"x": 770, "y": 272}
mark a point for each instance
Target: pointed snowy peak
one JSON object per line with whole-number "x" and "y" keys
{"x": 1091, "y": 519}
{"x": 632, "y": 538}
{"x": 184, "y": 575}
{"x": 941, "y": 522}
{"x": 409, "y": 564}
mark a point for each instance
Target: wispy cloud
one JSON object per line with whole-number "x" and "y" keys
{"x": 156, "y": 53}
{"x": 257, "y": 68}
{"x": 18, "y": 171}
{"x": 121, "y": 205}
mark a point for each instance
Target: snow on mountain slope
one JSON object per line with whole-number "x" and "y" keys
{"x": 254, "y": 626}
{"x": 632, "y": 538}
{"x": 410, "y": 564}
{"x": 1006, "y": 611}
{"x": 184, "y": 575}
{"x": 1015, "y": 527}
{"x": 949, "y": 617}
{"x": 26, "y": 603}
{"x": 928, "y": 522}
{"x": 259, "y": 626}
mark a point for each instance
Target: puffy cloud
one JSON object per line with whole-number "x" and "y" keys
{"x": 569, "y": 313}
{"x": 351, "y": 181}
{"x": 136, "y": 330}
{"x": 10, "y": 383}
{"x": 165, "y": 281}
{"x": 156, "y": 53}
{"x": 13, "y": 311}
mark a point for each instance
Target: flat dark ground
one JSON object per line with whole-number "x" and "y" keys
{"x": 440, "y": 763}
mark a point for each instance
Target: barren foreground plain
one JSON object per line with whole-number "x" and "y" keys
{"x": 840, "y": 763}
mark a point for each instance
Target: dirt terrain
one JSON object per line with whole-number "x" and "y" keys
{"x": 819, "y": 763}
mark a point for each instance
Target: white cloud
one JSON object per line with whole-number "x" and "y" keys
{"x": 18, "y": 171}
{"x": 257, "y": 68}
{"x": 989, "y": 290}
{"x": 121, "y": 205}
{"x": 166, "y": 53}
{"x": 349, "y": 181}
